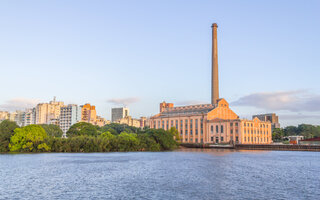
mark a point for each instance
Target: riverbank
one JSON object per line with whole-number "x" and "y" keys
{"x": 271, "y": 147}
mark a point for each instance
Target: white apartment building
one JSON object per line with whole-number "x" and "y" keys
{"x": 69, "y": 115}
{"x": 29, "y": 117}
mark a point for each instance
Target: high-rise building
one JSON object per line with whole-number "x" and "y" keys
{"x": 47, "y": 113}
{"x": 29, "y": 117}
{"x": 119, "y": 113}
{"x": 88, "y": 114}
{"x": 69, "y": 115}
{"x": 271, "y": 117}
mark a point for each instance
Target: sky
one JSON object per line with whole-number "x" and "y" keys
{"x": 140, "y": 53}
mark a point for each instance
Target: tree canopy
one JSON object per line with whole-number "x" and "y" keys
{"x": 6, "y": 131}
{"x": 52, "y": 130}
{"x": 28, "y": 139}
{"x": 82, "y": 128}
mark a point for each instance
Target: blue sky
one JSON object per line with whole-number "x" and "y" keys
{"x": 143, "y": 52}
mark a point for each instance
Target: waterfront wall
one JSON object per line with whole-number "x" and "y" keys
{"x": 256, "y": 147}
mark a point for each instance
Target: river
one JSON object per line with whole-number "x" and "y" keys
{"x": 183, "y": 174}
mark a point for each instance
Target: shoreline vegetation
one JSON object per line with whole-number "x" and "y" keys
{"x": 84, "y": 137}
{"x": 87, "y": 138}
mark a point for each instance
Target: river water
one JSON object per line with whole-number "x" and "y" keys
{"x": 183, "y": 174}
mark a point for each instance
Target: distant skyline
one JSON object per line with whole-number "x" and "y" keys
{"x": 140, "y": 53}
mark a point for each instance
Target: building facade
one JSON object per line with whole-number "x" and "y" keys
{"x": 47, "y": 113}
{"x": 88, "y": 113}
{"x": 209, "y": 123}
{"x": 129, "y": 121}
{"x": 69, "y": 115}
{"x": 29, "y": 117}
{"x": 271, "y": 117}
{"x": 101, "y": 121}
{"x": 119, "y": 113}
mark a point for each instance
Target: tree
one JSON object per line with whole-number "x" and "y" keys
{"x": 277, "y": 134}
{"x": 29, "y": 139}
{"x": 82, "y": 128}
{"x": 52, "y": 130}
{"x": 119, "y": 128}
{"x": 164, "y": 138}
{"x": 175, "y": 133}
{"x": 6, "y": 131}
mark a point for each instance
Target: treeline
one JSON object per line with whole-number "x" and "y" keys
{"x": 306, "y": 130}
{"x": 84, "y": 137}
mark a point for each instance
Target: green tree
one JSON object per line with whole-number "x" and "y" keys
{"x": 82, "y": 128}
{"x": 175, "y": 133}
{"x": 277, "y": 134}
{"x": 164, "y": 138}
{"x": 52, "y": 130}
{"x": 6, "y": 131}
{"x": 29, "y": 139}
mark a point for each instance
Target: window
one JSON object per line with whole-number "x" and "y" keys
{"x": 201, "y": 131}
{"x": 190, "y": 131}
{"x": 237, "y": 139}
{"x": 236, "y": 123}
{"x": 211, "y": 129}
{"x": 221, "y": 139}
{"x": 201, "y": 140}
{"x": 231, "y": 124}
{"x": 244, "y": 139}
{"x": 231, "y": 131}
{"x": 196, "y": 131}
{"x": 217, "y": 139}
{"x": 162, "y": 124}
{"x": 196, "y": 139}
{"x": 217, "y": 129}
{"x": 177, "y": 124}
{"x": 196, "y": 123}
{"x": 191, "y": 123}
{"x": 211, "y": 139}
{"x": 167, "y": 125}
{"x": 186, "y": 132}
{"x": 251, "y": 125}
{"x": 190, "y": 139}
{"x": 186, "y": 139}
{"x": 221, "y": 128}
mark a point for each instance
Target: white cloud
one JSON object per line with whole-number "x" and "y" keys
{"x": 294, "y": 101}
{"x": 18, "y": 104}
{"x": 124, "y": 101}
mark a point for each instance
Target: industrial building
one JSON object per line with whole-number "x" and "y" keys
{"x": 215, "y": 122}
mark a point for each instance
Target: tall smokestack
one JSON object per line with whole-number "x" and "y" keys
{"x": 215, "y": 77}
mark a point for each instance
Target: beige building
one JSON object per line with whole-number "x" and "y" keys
{"x": 207, "y": 123}
{"x": 101, "y": 121}
{"x": 47, "y": 113}
{"x": 271, "y": 117}
{"x": 129, "y": 121}
{"x": 4, "y": 115}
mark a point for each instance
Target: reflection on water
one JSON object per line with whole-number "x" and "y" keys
{"x": 182, "y": 174}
